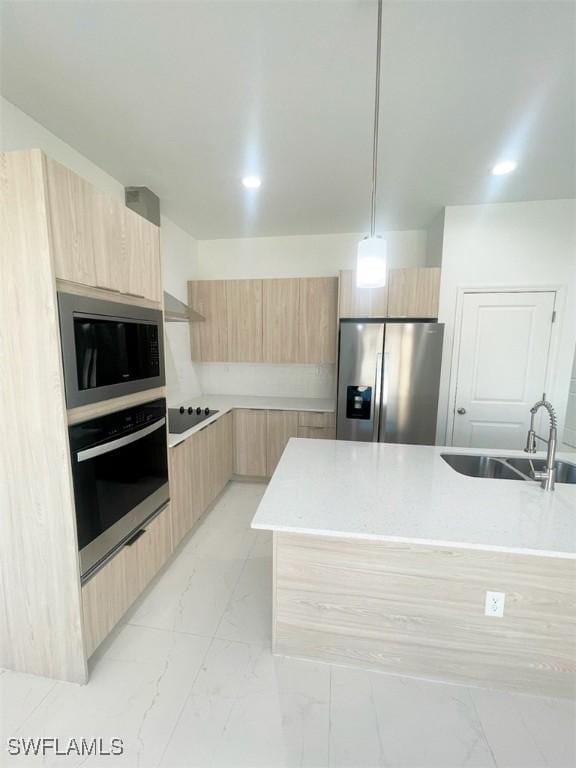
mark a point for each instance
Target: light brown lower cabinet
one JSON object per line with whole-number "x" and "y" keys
{"x": 250, "y": 442}
{"x": 316, "y": 424}
{"x": 320, "y": 433}
{"x": 316, "y": 419}
{"x": 109, "y": 594}
{"x": 280, "y": 427}
{"x": 186, "y": 486}
{"x": 200, "y": 467}
{"x": 261, "y": 436}
{"x": 215, "y": 457}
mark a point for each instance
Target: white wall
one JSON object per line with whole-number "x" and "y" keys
{"x": 19, "y": 131}
{"x": 529, "y": 245}
{"x": 435, "y": 241}
{"x": 179, "y": 249}
{"x": 179, "y": 254}
{"x": 299, "y": 256}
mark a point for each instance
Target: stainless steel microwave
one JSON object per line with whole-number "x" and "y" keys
{"x": 109, "y": 349}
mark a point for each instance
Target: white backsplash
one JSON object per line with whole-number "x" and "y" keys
{"x": 266, "y": 379}
{"x": 181, "y": 375}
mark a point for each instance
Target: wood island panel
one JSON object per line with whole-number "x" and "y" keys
{"x": 419, "y": 610}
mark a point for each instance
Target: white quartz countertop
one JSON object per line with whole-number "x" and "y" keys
{"x": 406, "y": 493}
{"x": 225, "y": 403}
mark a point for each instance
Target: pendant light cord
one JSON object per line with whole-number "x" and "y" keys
{"x": 376, "y": 116}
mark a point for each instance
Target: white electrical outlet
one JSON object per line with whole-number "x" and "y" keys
{"x": 494, "y": 605}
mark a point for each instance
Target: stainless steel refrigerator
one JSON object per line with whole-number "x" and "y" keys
{"x": 388, "y": 381}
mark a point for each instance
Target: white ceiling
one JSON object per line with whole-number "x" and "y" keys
{"x": 187, "y": 97}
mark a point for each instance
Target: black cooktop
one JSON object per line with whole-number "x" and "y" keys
{"x": 183, "y": 418}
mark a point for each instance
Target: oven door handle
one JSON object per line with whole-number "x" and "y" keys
{"x": 90, "y": 453}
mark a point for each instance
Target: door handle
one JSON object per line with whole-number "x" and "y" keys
{"x": 134, "y": 538}
{"x": 461, "y": 411}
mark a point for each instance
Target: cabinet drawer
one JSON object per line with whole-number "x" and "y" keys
{"x": 321, "y": 433}
{"x": 109, "y": 594}
{"x": 316, "y": 419}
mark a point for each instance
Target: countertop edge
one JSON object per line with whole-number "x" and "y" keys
{"x": 306, "y": 404}
{"x": 411, "y": 540}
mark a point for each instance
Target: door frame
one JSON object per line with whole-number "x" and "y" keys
{"x": 553, "y": 350}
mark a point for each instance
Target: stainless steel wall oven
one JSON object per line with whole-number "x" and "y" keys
{"x": 120, "y": 473}
{"x": 109, "y": 349}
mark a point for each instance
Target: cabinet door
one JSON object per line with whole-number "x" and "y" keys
{"x": 142, "y": 244}
{"x": 109, "y": 594}
{"x": 110, "y": 244}
{"x": 225, "y": 449}
{"x": 204, "y": 459}
{"x": 281, "y": 426}
{"x": 212, "y": 470}
{"x": 244, "y": 304}
{"x": 359, "y": 301}
{"x": 281, "y": 302}
{"x": 181, "y": 490}
{"x": 318, "y": 319}
{"x": 209, "y": 339}
{"x": 414, "y": 292}
{"x": 71, "y": 205}
{"x": 250, "y": 443}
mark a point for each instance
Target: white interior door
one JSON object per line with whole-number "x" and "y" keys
{"x": 501, "y": 372}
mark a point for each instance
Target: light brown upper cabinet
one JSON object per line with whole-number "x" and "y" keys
{"x": 281, "y": 426}
{"x": 411, "y": 292}
{"x": 110, "y": 244}
{"x": 414, "y": 292}
{"x": 209, "y": 338}
{"x": 281, "y": 302}
{"x": 72, "y": 208}
{"x": 291, "y": 320}
{"x": 99, "y": 242}
{"x": 317, "y": 319}
{"x": 244, "y": 305}
{"x": 143, "y": 256}
{"x": 359, "y": 301}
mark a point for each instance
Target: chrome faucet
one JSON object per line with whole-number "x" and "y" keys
{"x": 548, "y": 476}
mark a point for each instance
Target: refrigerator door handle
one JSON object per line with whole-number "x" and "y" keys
{"x": 377, "y": 396}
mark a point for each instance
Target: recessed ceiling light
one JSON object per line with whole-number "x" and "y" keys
{"x": 506, "y": 166}
{"x": 251, "y": 182}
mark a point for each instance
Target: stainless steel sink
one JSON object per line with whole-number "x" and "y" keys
{"x": 506, "y": 468}
{"x": 482, "y": 466}
{"x": 565, "y": 472}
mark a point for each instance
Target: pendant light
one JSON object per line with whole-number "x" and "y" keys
{"x": 371, "y": 258}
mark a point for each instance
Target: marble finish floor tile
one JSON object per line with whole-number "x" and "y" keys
{"x": 249, "y": 708}
{"x": 189, "y": 681}
{"x": 403, "y": 722}
{"x": 248, "y": 614}
{"x": 137, "y": 688}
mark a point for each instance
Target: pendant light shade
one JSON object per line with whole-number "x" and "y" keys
{"x": 371, "y": 262}
{"x": 371, "y": 258}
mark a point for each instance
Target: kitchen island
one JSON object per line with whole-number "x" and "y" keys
{"x": 383, "y": 555}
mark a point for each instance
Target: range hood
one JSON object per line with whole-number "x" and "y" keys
{"x": 175, "y": 311}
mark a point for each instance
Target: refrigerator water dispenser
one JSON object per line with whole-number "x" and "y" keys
{"x": 358, "y": 402}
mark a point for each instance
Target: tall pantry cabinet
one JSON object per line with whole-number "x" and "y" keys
{"x": 58, "y": 232}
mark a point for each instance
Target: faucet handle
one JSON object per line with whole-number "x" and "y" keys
{"x": 530, "y": 442}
